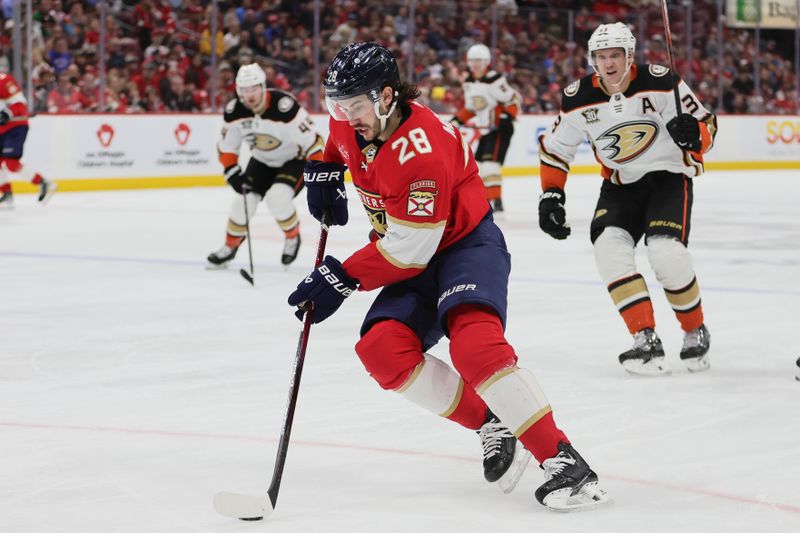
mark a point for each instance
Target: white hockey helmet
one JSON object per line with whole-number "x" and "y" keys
{"x": 250, "y": 76}
{"x": 616, "y": 35}
{"x": 479, "y": 51}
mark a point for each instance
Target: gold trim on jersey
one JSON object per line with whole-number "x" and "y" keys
{"x": 318, "y": 146}
{"x": 690, "y": 161}
{"x": 415, "y": 225}
{"x": 551, "y": 159}
{"x": 394, "y": 262}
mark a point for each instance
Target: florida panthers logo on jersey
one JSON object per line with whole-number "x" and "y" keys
{"x": 376, "y": 209}
{"x": 422, "y": 198}
{"x": 627, "y": 141}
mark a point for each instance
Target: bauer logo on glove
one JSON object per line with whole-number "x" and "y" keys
{"x": 326, "y": 194}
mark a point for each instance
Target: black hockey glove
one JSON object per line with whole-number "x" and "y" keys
{"x": 685, "y": 131}
{"x": 505, "y": 125}
{"x": 4, "y": 117}
{"x": 326, "y": 288}
{"x": 552, "y": 215}
{"x": 325, "y": 191}
{"x": 241, "y": 183}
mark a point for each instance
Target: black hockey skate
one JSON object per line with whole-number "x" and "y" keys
{"x": 221, "y": 257}
{"x": 46, "y": 190}
{"x": 291, "y": 246}
{"x": 695, "y": 349}
{"x": 504, "y": 459}
{"x": 7, "y": 200}
{"x": 797, "y": 377}
{"x": 570, "y": 484}
{"x": 646, "y": 358}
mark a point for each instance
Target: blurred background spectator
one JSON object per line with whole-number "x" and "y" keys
{"x": 158, "y": 52}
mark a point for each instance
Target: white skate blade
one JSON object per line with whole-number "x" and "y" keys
{"x": 242, "y": 506}
{"x": 654, "y": 367}
{"x": 212, "y": 266}
{"x": 588, "y": 497}
{"x": 514, "y": 473}
{"x": 698, "y": 364}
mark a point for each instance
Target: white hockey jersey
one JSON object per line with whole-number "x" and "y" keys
{"x": 486, "y": 98}
{"x": 627, "y": 131}
{"x": 284, "y": 131}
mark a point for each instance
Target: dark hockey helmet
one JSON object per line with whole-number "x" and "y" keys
{"x": 359, "y": 68}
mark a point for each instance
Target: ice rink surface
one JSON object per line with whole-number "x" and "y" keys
{"x": 134, "y": 384}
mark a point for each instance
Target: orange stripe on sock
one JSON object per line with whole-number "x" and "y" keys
{"x": 691, "y": 319}
{"x": 639, "y": 316}
{"x": 233, "y": 241}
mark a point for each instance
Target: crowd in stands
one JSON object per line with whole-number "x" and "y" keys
{"x": 158, "y": 52}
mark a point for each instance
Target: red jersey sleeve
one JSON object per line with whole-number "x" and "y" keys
{"x": 332, "y": 154}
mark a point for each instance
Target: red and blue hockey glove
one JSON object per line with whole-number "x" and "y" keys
{"x": 326, "y": 288}
{"x": 552, "y": 215}
{"x": 685, "y": 131}
{"x": 325, "y": 191}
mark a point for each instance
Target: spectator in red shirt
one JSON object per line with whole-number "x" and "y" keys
{"x": 65, "y": 97}
{"x": 88, "y": 95}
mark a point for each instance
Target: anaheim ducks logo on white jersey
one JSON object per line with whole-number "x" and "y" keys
{"x": 262, "y": 141}
{"x": 627, "y": 141}
{"x": 479, "y": 103}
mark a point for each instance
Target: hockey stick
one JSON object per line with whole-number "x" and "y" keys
{"x": 247, "y": 275}
{"x": 673, "y": 72}
{"x": 247, "y": 507}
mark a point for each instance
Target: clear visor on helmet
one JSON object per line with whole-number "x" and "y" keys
{"x": 351, "y": 109}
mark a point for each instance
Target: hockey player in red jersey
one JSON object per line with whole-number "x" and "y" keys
{"x": 649, "y": 151}
{"x": 443, "y": 268}
{"x": 13, "y": 131}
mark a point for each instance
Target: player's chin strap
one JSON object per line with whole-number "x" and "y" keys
{"x": 384, "y": 118}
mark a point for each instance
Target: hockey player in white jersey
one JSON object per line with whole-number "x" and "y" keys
{"x": 281, "y": 137}
{"x": 490, "y": 105}
{"x": 649, "y": 153}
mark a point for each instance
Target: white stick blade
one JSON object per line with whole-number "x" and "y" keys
{"x": 242, "y": 506}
